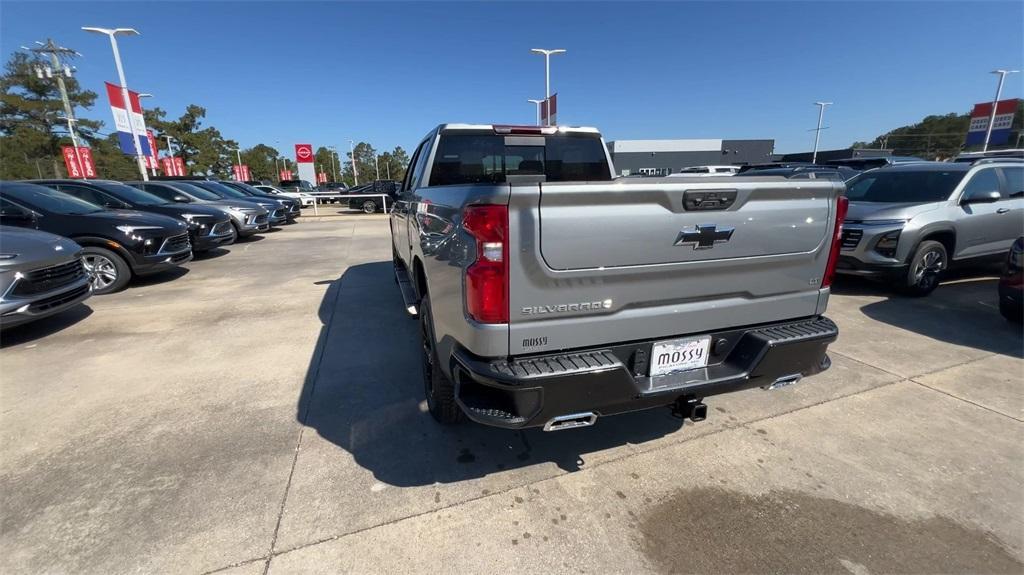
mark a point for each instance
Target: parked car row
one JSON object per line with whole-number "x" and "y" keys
{"x": 62, "y": 241}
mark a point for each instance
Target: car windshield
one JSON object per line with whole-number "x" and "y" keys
{"x": 220, "y": 189}
{"x": 194, "y": 191}
{"x": 899, "y": 186}
{"x": 50, "y": 200}
{"x": 131, "y": 195}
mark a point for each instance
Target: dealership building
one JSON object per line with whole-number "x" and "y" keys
{"x": 662, "y": 157}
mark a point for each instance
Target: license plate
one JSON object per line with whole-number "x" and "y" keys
{"x": 679, "y": 355}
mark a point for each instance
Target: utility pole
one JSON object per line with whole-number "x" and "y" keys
{"x": 537, "y": 103}
{"x": 55, "y": 53}
{"x": 547, "y": 76}
{"x": 999, "y": 93}
{"x": 355, "y": 171}
{"x": 112, "y": 33}
{"x": 334, "y": 169}
{"x": 817, "y": 131}
{"x": 376, "y": 166}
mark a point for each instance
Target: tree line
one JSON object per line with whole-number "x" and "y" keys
{"x": 33, "y": 130}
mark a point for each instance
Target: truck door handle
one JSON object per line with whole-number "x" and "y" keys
{"x": 1002, "y": 210}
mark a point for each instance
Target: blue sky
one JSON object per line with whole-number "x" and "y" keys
{"x": 387, "y": 73}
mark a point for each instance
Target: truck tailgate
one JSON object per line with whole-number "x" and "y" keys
{"x": 601, "y": 263}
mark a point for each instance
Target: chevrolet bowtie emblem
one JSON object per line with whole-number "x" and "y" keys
{"x": 704, "y": 236}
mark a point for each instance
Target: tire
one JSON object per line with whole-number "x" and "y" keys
{"x": 926, "y": 267}
{"x": 438, "y": 389}
{"x": 109, "y": 271}
{"x": 1012, "y": 313}
{"x": 369, "y": 207}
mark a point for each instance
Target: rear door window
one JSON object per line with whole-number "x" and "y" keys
{"x": 486, "y": 159}
{"x": 1014, "y": 179}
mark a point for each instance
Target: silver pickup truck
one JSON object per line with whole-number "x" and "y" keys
{"x": 549, "y": 293}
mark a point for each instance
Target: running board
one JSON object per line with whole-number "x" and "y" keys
{"x": 408, "y": 292}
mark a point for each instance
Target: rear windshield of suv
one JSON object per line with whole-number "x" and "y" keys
{"x": 485, "y": 159}
{"x": 912, "y": 186}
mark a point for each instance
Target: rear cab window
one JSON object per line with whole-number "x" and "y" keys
{"x": 487, "y": 158}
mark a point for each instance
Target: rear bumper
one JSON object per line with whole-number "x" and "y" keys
{"x": 530, "y": 391}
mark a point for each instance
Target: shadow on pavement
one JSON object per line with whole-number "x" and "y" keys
{"x": 30, "y": 332}
{"x": 157, "y": 278}
{"x": 363, "y": 392}
{"x": 963, "y": 313}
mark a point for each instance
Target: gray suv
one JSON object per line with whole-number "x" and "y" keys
{"x": 41, "y": 274}
{"x": 908, "y": 223}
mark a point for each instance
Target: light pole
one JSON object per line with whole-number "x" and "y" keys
{"x": 547, "y": 76}
{"x": 538, "y": 103}
{"x": 376, "y": 166}
{"x": 112, "y": 33}
{"x": 999, "y": 93}
{"x": 817, "y": 131}
{"x": 355, "y": 171}
{"x": 238, "y": 154}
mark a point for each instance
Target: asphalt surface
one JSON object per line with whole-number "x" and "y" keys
{"x": 261, "y": 411}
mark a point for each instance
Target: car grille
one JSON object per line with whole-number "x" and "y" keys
{"x": 220, "y": 229}
{"x": 59, "y": 299}
{"x": 261, "y": 219}
{"x": 279, "y": 213}
{"x": 851, "y": 238}
{"x": 175, "y": 244}
{"x": 51, "y": 278}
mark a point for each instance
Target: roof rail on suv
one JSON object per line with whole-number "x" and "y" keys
{"x": 997, "y": 161}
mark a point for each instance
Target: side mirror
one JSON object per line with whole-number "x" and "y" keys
{"x": 181, "y": 199}
{"x": 982, "y": 198}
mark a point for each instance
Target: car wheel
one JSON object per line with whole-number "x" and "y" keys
{"x": 1012, "y": 313}
{"x": 108, "y": 271}
{"x": 439, "y": 390}
{"x": 369, "y": 207}
{"x": 926, "y": 268}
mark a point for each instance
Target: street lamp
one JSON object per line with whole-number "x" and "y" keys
{"x": 817, "y": 131}
{"x": 999, "y": 93}
{"x": 355, "y": 171}
{"x": 547, "y": 75}
{"x": 112, "y": 33}
{"x": 538, "y": 103}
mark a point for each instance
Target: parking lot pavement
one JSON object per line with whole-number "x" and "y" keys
{"x": 263, "y": 410}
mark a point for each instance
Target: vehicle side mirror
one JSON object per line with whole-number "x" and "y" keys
{"x": 982, "y": 198}
{"x": 181, "y": 199}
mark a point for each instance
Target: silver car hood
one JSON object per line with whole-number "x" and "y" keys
{"x": 873, "y": 211}
{"x": 34, "y": 249}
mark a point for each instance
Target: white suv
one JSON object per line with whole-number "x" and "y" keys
{"x": 305, "y": 199}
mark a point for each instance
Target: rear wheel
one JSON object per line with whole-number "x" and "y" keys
{"x": 926, "y": 267}
{"x": 108, "y": 271}
{"x": 439, "y": 390}
{"x": 369, "y": 207}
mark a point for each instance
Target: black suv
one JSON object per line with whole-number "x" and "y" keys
{"x": 207, "y": 227}
{"x": 116, "y": 244}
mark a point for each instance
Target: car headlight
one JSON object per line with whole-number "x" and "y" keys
{"x": 886, "y": 245}
{"x": 132, "y": 229}
{"x": 8, "y": 256}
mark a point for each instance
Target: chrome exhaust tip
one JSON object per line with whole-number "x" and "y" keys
{"x": 571, "y": 421}
{"x": 784, "y": 381}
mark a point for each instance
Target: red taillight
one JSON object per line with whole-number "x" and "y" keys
{"x": 487, "y": 278}
{"x": 837, "y": 239}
